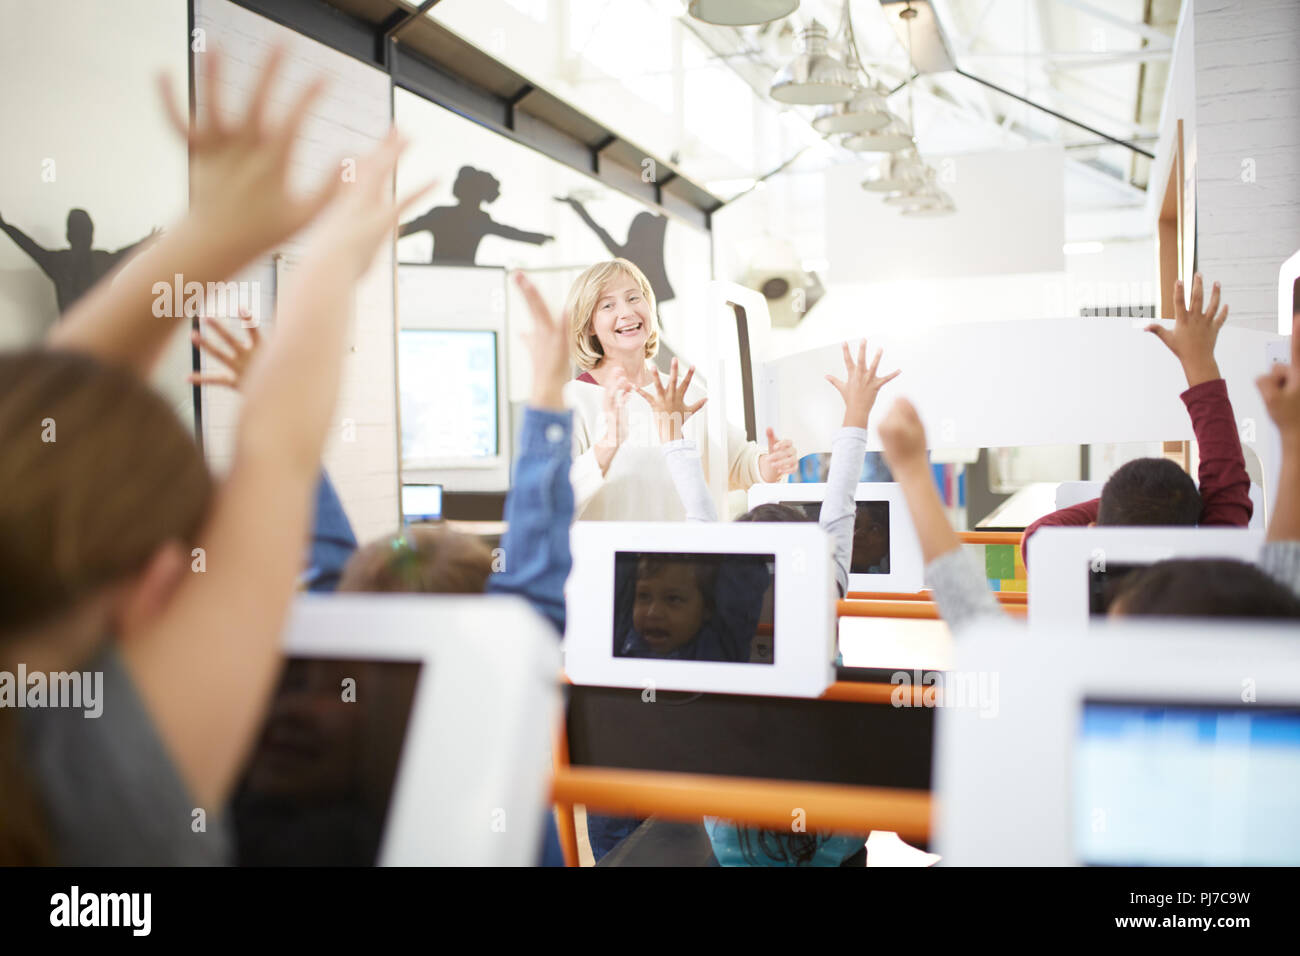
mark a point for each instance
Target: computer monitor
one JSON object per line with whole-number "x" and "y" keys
{"x": 730, "y": 608}
{"x": 1137, "y": 743}
{"x": 406, "y": 730}
{"x": 449, "y": 396}
{"x": 886, "y": 552}
{"x": 1073, "y": 571}
{"x": 421, "y": 502}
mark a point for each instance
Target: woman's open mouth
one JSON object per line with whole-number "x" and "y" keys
{"x": 632, "y": 329}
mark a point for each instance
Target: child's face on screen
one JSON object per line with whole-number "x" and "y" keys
{"x": 669, "y": 609}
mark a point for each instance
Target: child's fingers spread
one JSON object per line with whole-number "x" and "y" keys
{"x": 839, "y": 386}
{"x": 1222, "y": 317}
{"x": 1213, "y": 307}
{"x": 848, "y": 358}
{"x": 212, "y": 378}
{"x": 419, "y": 194}
{"x": 771, "y": 437}
{"x": 1180, "y": 301}
{"x": 262, "y": 91}
{"x": 862, "y": 354}
{"x": 216, "y": 326}
{"x": 1198, "y": 298}
{"x": 891, "y": 376}
{"x": 179, "y": 121}
{"x": 207, "y": 345}
{"x": 212, "y": 91}
{"x": 293, "y": 123}
{"x": 686, "y": 382}
{"x": 692, "y": 409}
{"x": 875, "y": 362}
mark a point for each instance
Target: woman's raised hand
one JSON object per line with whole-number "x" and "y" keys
{"x": 669, "y": 403}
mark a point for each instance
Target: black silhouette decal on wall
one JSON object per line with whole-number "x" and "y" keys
{"x": 644, "y": 246}
{"x": 457, "y": 230}
{"x": 77, "y": 268}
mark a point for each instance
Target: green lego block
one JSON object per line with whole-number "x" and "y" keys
{"x": 1000, "y": 561}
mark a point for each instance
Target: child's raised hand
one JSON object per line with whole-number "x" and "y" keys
{"x": 903, "y": 437}
{"x": 364, "y": 214}
{"x": 235, "y": 360}
{"x": 239, "y": 168}
{"x": 669, "y": 403}
{"x": 1280, "y": 389}
{"x": 548, "y": 343}
{"x": 861, "y": 386}
{"x": 781, "y": 459}
{"x": 1195, "y": 331}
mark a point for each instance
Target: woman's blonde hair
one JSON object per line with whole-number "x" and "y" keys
{"x": 581, "y": 306}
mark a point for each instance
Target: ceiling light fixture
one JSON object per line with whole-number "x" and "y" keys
{"x": 741, "y": 13}
{"x": 814, "y": 77}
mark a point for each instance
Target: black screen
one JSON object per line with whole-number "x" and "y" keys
{"x": 317, "y": 787}
{"x": 870, "y": 534}
{"x": 1104, "y": 584}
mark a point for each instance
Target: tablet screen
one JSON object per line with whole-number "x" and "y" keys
{"x": 1157, "y": 784}
{"x": 318, "y": 784}
{"x": 1104, "y": 585}
{"x": 870, "y": 534}
{"x": 700, "y": 607}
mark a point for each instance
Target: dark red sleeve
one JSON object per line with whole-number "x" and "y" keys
{"x": 1075, "y": 516}
{"x": 1225, "y": 486}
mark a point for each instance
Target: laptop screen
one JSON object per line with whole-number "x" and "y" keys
{"x": 421, "y": 503}
{"x": 318, "y": 785}
{"x": 1159, "y": 784}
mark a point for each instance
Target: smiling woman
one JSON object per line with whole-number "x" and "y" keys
{"x": 619, "y": 470}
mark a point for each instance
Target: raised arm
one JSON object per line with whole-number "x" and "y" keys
{"x": 960, "y": 591}
{"x": 207, "y": 667}
{"x": 594, "y": 449}
{"x": 605, "y": 238}
{"x": 240, "y": 208}
{"x": 539, "y": 507}
{"x": 1280, "y": 389}
{"x": 1222, "y": 478}
{"x": 848, "y": 449}
{"x": 38, "y": 253}
{"x": 671, "y": 411}
{"x": 518, "y": 235}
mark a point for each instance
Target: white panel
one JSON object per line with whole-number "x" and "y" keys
{"x": 84, "y": 128}
{"x": 1010, "y": 218}
{"x": 353, "y": 116}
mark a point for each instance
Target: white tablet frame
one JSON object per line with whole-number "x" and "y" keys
{"x": 487, "y": 707}
{"x": 1059, "y": 559}
{"x": 1005, "y": 786}
{"x": 906, "y": 568}
{"x": 803, "y": 625}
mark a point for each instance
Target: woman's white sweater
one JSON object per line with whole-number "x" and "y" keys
{"x": 638, "y": 485}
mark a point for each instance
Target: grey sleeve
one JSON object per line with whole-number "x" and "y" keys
{"x": 683, "y": 460}
{"x": 840, "y": 510}
{"x": 111, "y": 794}
{"x": 1280, "y": 560}
{"x": 962, "y": 594}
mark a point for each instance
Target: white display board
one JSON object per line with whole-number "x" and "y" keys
{"x": 1028, "y": 382}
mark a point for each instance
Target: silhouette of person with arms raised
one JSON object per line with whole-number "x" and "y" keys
{"x": 644, "y": 246}
{"x": 77, "y": 268}
{"x": 457, "y": 230}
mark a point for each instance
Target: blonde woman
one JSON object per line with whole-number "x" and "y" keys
{"x": 619, "y": 471}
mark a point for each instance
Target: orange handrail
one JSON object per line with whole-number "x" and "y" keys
{"x": 1004, "y": 597}
{"x": 989, "y": 537}
{"x": 907, "y": 609}
{"x": 765, "y": 803}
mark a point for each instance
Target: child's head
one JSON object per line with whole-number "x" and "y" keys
{"x": 773, "y": 512}
{"x": 102, "y": 494}
{"x": 1149, "y": 491}
{"x": 427, "y": 560}
{"x": 1203, "y": 587}
{"x": 611, "y": 310}
{"x": 673, "y": 599}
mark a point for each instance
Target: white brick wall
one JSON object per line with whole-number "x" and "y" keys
{"x": 1247, "y": 115}
{"x": 354, "y": 114}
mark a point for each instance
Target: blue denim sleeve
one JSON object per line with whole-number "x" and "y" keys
{"x": 332, "y": 540}
{"x": 539, "y": 511}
